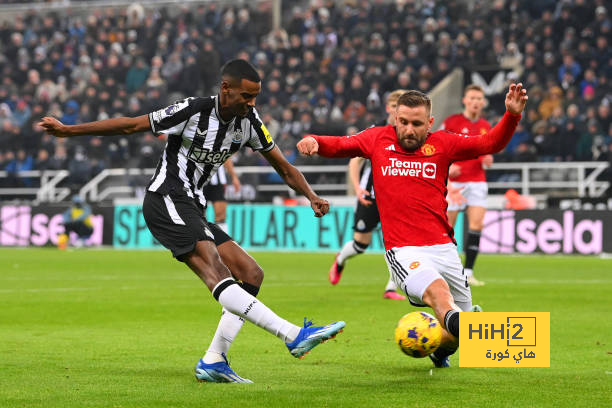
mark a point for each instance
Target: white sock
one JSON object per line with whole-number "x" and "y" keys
{"x": 468, "y": 272}
{"x": 391, "y": 285}
{"x": 348, "y": 251}
{"x": 464, "y": 306}
{"x": 227, "y": 330}
{"x": 240, "y": 302}
{"x": 223, "y": 226}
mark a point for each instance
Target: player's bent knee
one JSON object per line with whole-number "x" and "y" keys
{"x": 254, "y": 275}
{"x": 437, "y": 292}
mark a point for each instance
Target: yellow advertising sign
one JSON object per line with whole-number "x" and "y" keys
{"x": 496, "y": 339}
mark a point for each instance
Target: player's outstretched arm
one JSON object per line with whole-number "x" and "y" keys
{"x": 296, "y": 180}
{"x": 358, "y": 145}
{"x": 498, "y": 137}
{"x": 107, "y": 127}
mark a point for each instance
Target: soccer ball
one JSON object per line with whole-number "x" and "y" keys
{"x": 418, "y": 334}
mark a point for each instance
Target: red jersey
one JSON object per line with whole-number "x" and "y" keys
{"x": 471, "y": 170}
{"x": 411, "y": 186}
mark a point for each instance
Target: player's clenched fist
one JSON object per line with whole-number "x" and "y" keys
{"x": 53, "y": 126}
{"x": 308, "y": 146}
{"x": 320, "y": 206}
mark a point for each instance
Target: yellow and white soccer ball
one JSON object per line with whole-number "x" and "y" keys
{"x": 418, "y": 334}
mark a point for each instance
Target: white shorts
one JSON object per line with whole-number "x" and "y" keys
{"x": 475, "y": 193}
{"x": 414, "y": 268}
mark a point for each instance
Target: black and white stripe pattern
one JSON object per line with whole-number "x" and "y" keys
{"x": 220, "y": 177}
{"x": 199, "y": 142}
{"x": 396, "y": 267}
{"x": 366, "y": 180}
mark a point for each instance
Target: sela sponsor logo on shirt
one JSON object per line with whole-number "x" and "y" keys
{"x": 409, "y": 168}
{"x": 207, "y": 156}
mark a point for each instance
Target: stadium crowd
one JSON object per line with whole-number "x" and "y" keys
{"x": 326, "y": 71}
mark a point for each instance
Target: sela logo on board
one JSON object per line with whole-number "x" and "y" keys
{"x": 409, "y": 168}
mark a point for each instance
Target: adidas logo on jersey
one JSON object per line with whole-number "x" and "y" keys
{"x": 390, "y": 147}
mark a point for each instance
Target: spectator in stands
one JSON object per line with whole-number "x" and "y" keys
{"x": 21, "y": 114}
{"x": 17, "y": 164}
{"x": 137, "y": 75}
{"x": 552, "y": 100}
{"x": 79, "y": 168}
{"x": 71, "y": 112}
{"x": 321, "y": 50}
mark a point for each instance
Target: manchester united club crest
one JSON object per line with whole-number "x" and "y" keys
{"x": 414, "y": 265}
{"x": 428, "y": 149}
{"x": 483, "y": 131}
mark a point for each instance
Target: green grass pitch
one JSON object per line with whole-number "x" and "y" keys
{"x": 109, "y": 328}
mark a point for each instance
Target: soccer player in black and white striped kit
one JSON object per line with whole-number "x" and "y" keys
{"x": 203, "y": 133}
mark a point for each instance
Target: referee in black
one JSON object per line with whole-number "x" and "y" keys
{"x": 203, "y": 132}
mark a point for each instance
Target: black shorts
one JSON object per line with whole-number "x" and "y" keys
{"x": 366, "y": 218}
{"x": 178, "y": 223}
{"x": 79, "y": 227}
{"x": 214, "y": 193}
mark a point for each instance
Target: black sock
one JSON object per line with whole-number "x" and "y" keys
{"x": 451, "y": 321}
{"x": 359, "y": 247}
{"x": 252, "y": 289}
{"x": 471, "y": 248}
{"x": 445, "y": 351}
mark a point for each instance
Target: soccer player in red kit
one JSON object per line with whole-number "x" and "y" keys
{"x": 469, "y": 175}
{"x": 410, "y": 167}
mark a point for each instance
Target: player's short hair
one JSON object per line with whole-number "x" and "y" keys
{"x": 414, "y": 99}
{"x": 238, "y": 69}
{"x": 394, "y": 96}
{"x": 473, "y": 87}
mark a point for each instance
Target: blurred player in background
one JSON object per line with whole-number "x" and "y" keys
{"x": 410, "y": 167}
{"x": 214, "y": 192}
{"x": 203, "y": 133}
{"x": 76, "y": 219}
{"x": 469, "y": 175}
{"x": 366, "y": 216}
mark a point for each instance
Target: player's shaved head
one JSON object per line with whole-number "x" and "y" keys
{"x": 238, "y": 69}
{"x": 413, "y": 99}
{"x": 240, "y": 85}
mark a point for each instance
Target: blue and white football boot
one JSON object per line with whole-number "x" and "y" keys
{"x": 311, "y": 336}
{"x": 218, "y": 372}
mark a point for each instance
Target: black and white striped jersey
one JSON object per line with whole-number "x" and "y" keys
{"x": 219, "y": 178}
{"x": 199, "y": 142}
{"x": 366, "y": 180}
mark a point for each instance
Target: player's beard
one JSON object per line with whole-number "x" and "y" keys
{"x": 412, "y": 143}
